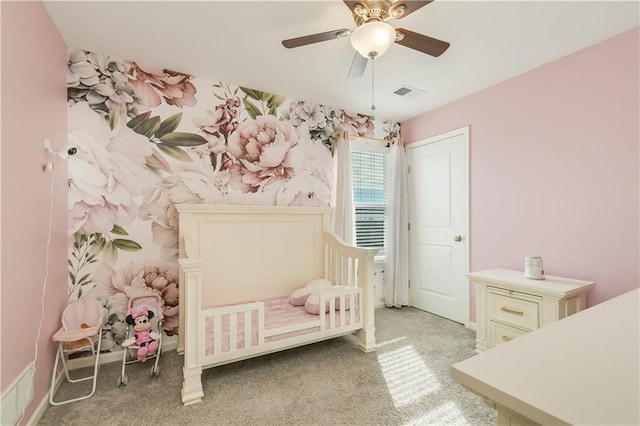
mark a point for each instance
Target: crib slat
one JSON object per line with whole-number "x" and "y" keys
{"x": 261, "y": 324}
{"x": 248, "y": 335}
{"x": 323, "y": 314}
{"x": 217, "y": 334}
{"x": 233, "y": 332}
{"x": 352, "y": 308}
{"x": 332, "y": 310}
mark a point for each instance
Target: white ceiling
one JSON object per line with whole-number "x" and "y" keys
{"x": 238, "y": 42}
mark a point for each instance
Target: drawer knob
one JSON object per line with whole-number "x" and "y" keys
{"x": 511, "y": 311}
{"x": 457, "y": 238}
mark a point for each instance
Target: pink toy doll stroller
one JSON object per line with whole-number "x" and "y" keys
{"x": 143, "y": 340}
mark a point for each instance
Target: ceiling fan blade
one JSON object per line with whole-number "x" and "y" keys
{"x": 422, "y": 43}
{"x": 358, "y": 65}
{"x": 410, "y": 6}
{"x": 315, "y": 38}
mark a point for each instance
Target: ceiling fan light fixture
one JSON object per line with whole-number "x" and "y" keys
{"x": 373, "y": 38}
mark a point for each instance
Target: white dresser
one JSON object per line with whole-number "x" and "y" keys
{"x": 509, "y": 305}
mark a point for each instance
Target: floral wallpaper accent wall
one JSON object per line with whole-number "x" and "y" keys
{"x": 150, "y": 138}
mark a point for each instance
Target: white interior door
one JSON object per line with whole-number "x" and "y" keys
{"x": 439, "y": 224}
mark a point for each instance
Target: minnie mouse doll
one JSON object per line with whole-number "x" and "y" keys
{"x": 144, "y": 338}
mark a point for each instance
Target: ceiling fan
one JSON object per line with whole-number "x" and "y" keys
{"x": 374, "y": 34}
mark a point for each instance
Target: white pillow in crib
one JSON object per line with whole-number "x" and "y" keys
{"x": 300, "y": 296}
{"x": 347, "y": 299}
{"x": 312, "y": 305}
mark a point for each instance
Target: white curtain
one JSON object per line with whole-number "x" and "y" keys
{"x": 396, "y": 282}
{"x": 344, "y": 212}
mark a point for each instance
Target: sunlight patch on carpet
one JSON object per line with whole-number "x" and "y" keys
{"x": 390, "y": 342}
{"x": 408, "y": 377}
{"x": 447, "y": 414}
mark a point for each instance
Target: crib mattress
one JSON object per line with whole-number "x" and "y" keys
{"x": 278, "y": 313}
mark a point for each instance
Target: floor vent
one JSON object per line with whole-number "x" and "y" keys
{"x": 17, "y": 397}
{"x": 407, "y": 91}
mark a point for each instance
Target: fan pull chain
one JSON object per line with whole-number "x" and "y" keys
{"x": 373, "y": 87}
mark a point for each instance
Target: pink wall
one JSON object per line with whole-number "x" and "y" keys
{"x": 554, "y": 167}
{"x": 34, "y": 107}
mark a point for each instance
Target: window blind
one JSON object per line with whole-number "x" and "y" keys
{"x": 369, "y": 174}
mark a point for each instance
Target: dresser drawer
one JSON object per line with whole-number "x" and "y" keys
{"x": 513, "y": 310}
{"x": 500, "y": 333}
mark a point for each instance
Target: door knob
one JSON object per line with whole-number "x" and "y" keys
{"x": 457, "y": 238}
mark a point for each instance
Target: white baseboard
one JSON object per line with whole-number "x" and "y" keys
{"x": 473, "y": 326}
{"x": 44, "y": 404}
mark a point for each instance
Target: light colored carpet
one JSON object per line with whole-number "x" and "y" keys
{"x": 407, "y": 381}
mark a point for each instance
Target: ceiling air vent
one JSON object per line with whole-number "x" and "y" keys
{"x": 406, "y": 91}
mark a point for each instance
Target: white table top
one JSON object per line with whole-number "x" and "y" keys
{"x": 551, "y": 285}
{"x": 583, "y": 369}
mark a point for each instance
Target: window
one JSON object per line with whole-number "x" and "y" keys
{"x": 369, "y": 163}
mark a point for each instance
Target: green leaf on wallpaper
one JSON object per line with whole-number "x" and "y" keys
{"x": 156, "y": 161}
{"x": 79, "y": 239}
{"x": 113, "y": 119}
{"x": 174, "y": 152}
{"x": 275, "y": 100}
{"x": 182, "y": 139}
{"x": 254, "y": 94}
{"x": 252, "y": 110}
{"x": 148, "y": 127}
{"x": 135, "y": 121}
{"x": 96, "y": 245}
{"x": 273, "y": 109}
{"x": 169, "y": 125}
{"x": 118, "y": 230}
{"x": 83, "y": 280}
{"x": 268, "y": 97}
{"x": 110, "y": 253}
{"x": 126, "y": 245}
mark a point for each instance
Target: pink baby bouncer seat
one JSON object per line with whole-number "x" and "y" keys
{"x": 147, "y": 345}
{"x": 81, "y": 332}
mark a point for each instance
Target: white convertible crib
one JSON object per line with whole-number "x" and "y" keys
{"x": 238, "y": 267}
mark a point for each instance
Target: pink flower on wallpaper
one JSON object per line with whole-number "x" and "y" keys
{"x": 215, "y": 126}
{"x": 263, "y": 153}
{"x": 311, "y": 185}
{"x": 305, "y": 191}
{"x": 107, "y": 173}
{"x": 151, "y": 85}
{"x": 221, "y": 121}
{"x": 114, "y": 288}
{"x": 189, "y": 187}
{"x": 357, "y": 124}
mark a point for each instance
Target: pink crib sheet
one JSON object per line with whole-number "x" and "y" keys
{"x": 278, "y": 313}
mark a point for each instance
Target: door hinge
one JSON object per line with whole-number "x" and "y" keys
{"x": 409, "y": 283}
{"x": 408, "y": 169}
{"x": 408, "y": 227}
